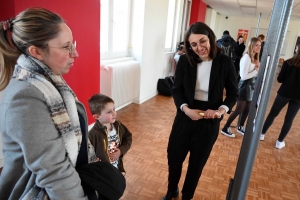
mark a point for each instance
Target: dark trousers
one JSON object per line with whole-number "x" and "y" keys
{"x": 237, "y": 68}
{"x": 196, "y": 137}
{"x": 292, "y": 111}
{"x": 241, "y": 107}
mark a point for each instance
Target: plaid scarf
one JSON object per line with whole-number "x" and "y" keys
{"x": 60, "y": 100}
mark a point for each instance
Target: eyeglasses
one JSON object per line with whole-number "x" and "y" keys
{"x": 70, "y": 48}
{"x": 201, "y": 43}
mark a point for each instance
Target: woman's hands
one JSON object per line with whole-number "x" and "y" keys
{"x": 115, "y": 155}
{"x": 196, "y": 114}
{"x": 257, "y": 65}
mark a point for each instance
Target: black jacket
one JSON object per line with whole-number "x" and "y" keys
{"x": 240, "y": 48}
{"x": 222, "y": 76}
{"x": 233, "y": 43}
{"x": 289, "y": 76}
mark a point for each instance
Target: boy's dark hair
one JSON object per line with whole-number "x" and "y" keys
{"x": 98, "y": 102}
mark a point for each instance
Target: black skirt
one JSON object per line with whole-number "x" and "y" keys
{"x": 246, "y": 89}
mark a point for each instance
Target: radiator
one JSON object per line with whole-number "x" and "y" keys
{"x": 120, "y": 81}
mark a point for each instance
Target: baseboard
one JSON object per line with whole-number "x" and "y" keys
{"x": 142, "y": 100}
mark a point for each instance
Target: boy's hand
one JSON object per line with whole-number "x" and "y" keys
{"x": 115, "y": 155}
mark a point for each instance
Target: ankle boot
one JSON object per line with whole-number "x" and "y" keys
{"x": 171, "y": 194}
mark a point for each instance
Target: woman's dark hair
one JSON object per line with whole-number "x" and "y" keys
{"x": 240, "y": 36}
{"x": 34, "y": 26}
{"x": 295, "y": 60}
{"x": 180, "y": 46}
{"x": 200, "y": 28}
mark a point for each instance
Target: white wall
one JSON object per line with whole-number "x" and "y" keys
{"x": 149, "y": 22}
{"x": 234, "y": 23}
{"x": 148, "y": 30}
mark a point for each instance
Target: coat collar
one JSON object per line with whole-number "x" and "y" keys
{"x": 99, "y": 126}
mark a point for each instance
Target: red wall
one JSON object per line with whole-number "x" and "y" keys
{"x": 83, "y": 17}
{"x": 7, "y": 9}
{"x": 198, "y": 11}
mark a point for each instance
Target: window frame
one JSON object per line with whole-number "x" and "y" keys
{"x": 174, "y": 25}
{"x": 109, "y": 52}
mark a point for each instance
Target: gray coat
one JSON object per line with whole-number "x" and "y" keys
{"x": 33, "y": 151}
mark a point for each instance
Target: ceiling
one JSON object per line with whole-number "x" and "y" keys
{"x": 249, "y": 8}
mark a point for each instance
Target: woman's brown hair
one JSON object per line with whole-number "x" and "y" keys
{"x": 34, "y": 26}
{"x": 295, "y": 60}
{"x": 200, "y": 28}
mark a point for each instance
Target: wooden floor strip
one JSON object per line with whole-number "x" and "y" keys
{"x": 275, "y": 175}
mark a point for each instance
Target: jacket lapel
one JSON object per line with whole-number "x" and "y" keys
{"x": 215, "y": 68}
{"x": 193, "y": 76}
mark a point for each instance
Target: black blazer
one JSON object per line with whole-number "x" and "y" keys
{"x": 222, "y": 76}
{"x": 289, "y": 76}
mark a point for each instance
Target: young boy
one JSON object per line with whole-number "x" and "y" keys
{"x": 110, "y": 138}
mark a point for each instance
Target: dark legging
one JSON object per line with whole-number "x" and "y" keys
{"x": 242, "y": 106}
{"x": 237, "y": 69}
{"x": 292, "y": 111}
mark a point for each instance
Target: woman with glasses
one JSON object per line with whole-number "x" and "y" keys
{"x": 202, "y": 74}
{"x": 43, "y": 125}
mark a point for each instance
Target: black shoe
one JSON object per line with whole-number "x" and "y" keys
{"x": 227, "y": 132}
{"x": 170, "y": 195}
{"x": 183, "y": 198}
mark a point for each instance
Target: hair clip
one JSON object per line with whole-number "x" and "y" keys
{"x": 5, "y": 24}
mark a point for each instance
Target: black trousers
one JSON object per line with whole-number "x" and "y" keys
{"x": 196, "y": 137}
{"x": 290, "y": 115}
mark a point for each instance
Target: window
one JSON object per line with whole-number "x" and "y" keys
{"x": 170, "y": 25}
{"x": 186, "y": 17}
{"x": 114, "y": 28}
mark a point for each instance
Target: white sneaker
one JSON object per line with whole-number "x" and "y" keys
{"x": 262, "y": 137}
{"x": 241, "y": 130}
{"x": 279, "y": 145}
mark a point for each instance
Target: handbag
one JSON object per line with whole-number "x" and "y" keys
{"x": 164, "y": 85}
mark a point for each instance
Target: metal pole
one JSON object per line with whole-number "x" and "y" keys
{"x": 276, "y": 33}
{"x": 258, "y": 24}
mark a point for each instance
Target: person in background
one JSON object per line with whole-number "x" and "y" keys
{"x": 43, "y": 125}
{"x": 249, "y": 66}
{"x": 180, "y": 51}
{"x": 110, "y": 138}
{"x": 201, "y": 70}
{"x": 229, "y": 43}
{"x": 262, "y": 39}
{"x": 288, "y": 93}
{"x": 239, "y": 53}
